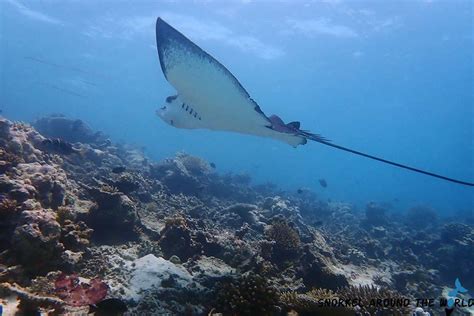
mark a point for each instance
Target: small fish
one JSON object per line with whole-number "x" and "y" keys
{"x": 213, "y": 165}
{"x": 299, "y": 191}
{"x": 323, "y": 183}
{"x": 60, "y": 146}
{"x": 109, "y": 307}
{"x": 118, "y": 169}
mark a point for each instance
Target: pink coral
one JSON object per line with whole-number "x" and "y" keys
{"x": 77, "y": 293}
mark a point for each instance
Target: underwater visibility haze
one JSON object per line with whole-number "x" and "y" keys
{"x": 124, "y": 96}
{"x": 391, "y": 79}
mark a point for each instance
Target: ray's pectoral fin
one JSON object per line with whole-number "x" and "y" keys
{"x": 206, "y": 85}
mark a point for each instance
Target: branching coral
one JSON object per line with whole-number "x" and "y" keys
{"x": 176, "y": 238}
{"x": 363, "y": 299}
{"x": 64, "y": 213}
{"x": 8, "y": 159}
{"x": 456, "y": 232}
{"x": 126, "y": 183}
{"x": 75, "y": 236}
{"x": 7, "y": 206}
{"x": 108, "y": 188}
{"x": 177, "y": 220}
{"x": 306, "y": 302}
{"x": 248, "y": 295}
{"x": 286, "y": 238}
{"x": 320, "y": 293}
{"x": 381, "y": 301}
{"x": 29, "y": 302}
{"x": 298, "y": 301}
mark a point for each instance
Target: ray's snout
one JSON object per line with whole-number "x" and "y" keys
{"x": 161, "y": 112}
{"x": 158, "y": 112}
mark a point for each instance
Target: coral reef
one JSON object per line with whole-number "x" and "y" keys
{"x": 309, "y": 302}
{"x": 248, "y": 295}
{"x": 30, "y": 303}
{"x": 350, "y": 300}
{"x": 285, "y": 238}
{"x": 58, "y": 126}
{"x": 455, "y": 253}
{"x": 182, "y": 174}
{"x": 75, "y": 236}
{"x": 382, "y": 297}
{"x": 8, "y": 207}
{"x": 176, "y": 237}
{"x": 36, "y": 240}
{"x": 114, "y": 215}
{"x": 457, "y": 232}
{"x": 77, "y": 293}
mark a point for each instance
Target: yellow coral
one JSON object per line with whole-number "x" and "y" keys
{"x": 108, "y": 188}
{"x": 305, "y": 302}
{"x": 370, "y": 297}
{"x": 176, "y": 220}
{"x": 7, "y": 206}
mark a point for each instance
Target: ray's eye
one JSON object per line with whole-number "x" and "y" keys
{"x": 171, "y": 98}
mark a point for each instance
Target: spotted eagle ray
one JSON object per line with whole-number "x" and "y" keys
{"x": 210, "y": 97}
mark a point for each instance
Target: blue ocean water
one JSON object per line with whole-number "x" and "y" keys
{"x": 394, "y": 79}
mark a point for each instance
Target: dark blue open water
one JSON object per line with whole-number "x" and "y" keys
{"x": 390, "y": 78}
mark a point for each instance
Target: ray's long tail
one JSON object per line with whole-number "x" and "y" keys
{"x": 321, "y": 140}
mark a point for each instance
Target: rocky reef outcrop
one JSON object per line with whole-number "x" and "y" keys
{"x": 176, "y": 237}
